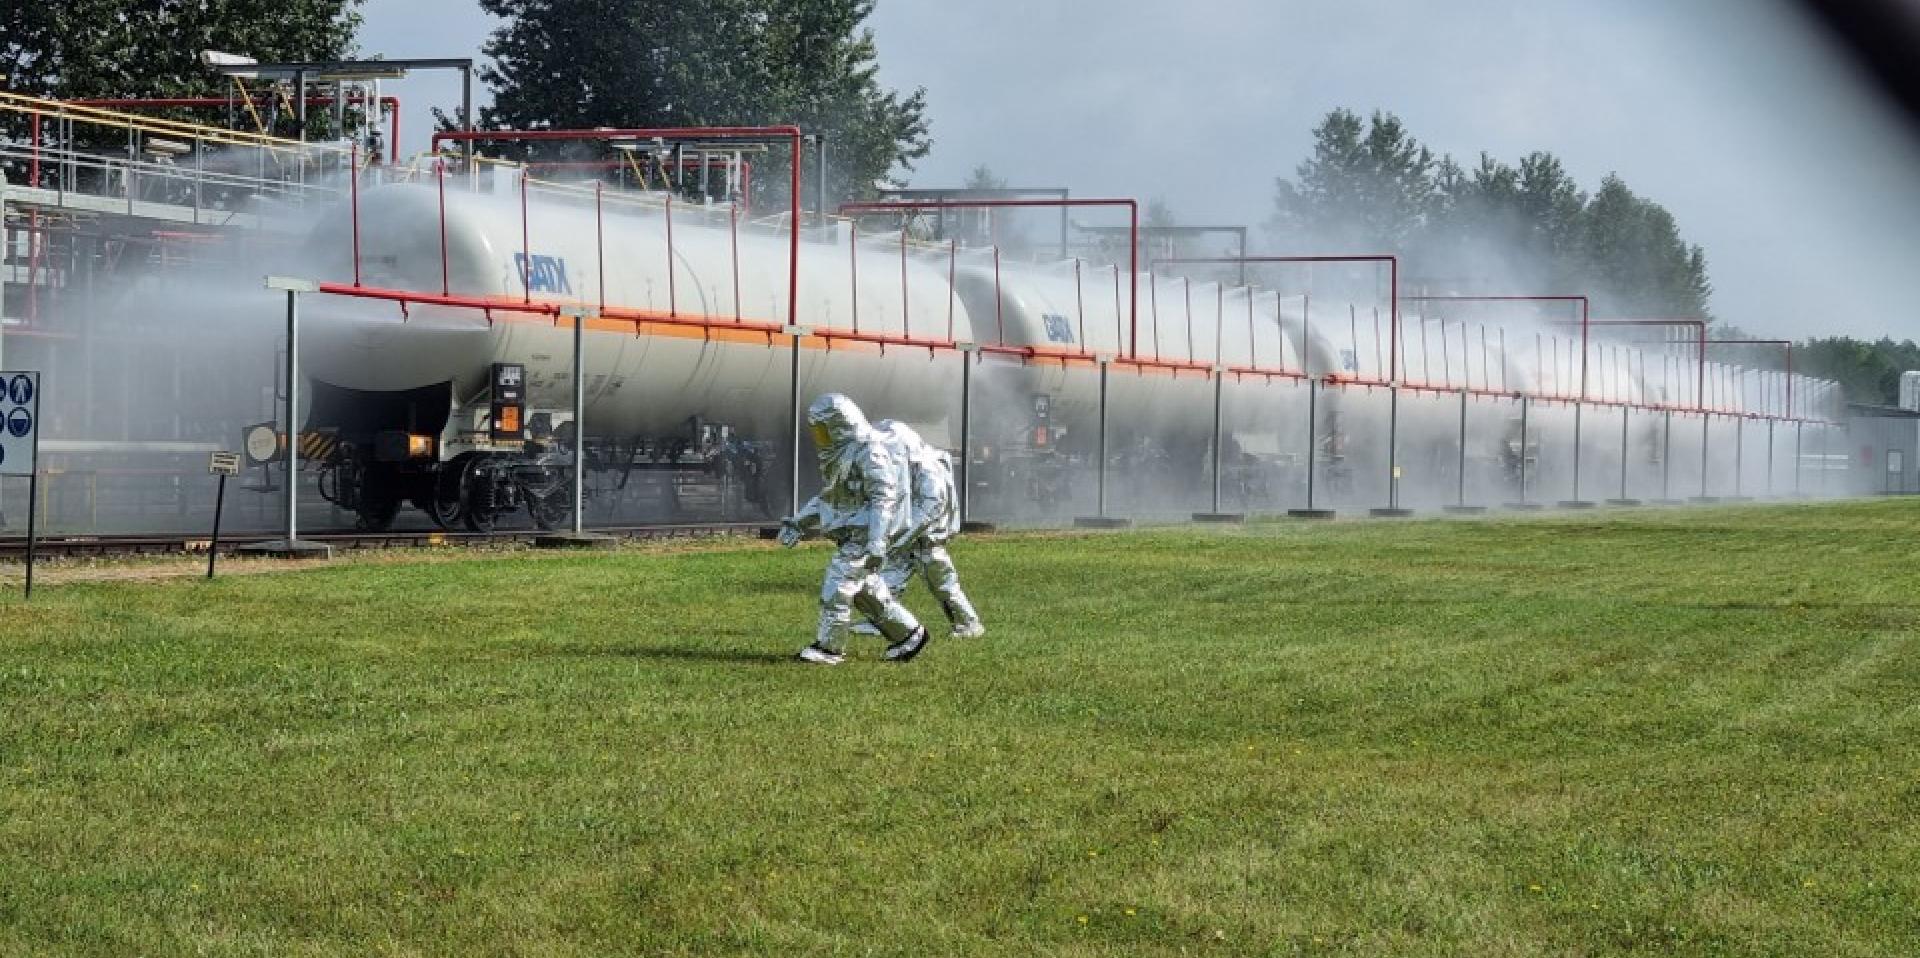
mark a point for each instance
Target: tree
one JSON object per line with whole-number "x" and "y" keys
{"x": 129, "y": 48}
{"x": 655, "y": 63}
{"x": 1528, "y": 227}
{"x": 1867, "y": 372}
{"x": 1367, "y": 186}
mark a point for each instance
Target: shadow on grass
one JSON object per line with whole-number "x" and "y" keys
{"x": 675, "y": 654}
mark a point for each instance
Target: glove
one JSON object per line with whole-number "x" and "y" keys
{"x": 789, "y": 533}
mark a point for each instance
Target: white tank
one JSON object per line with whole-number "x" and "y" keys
{"x": 1910, "y": 390}
{"x": 635, "y": 384}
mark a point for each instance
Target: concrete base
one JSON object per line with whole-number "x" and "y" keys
{"x": 1666, "y": 502}
{"x": 1309, "y": 513}
{"x": 1522, "y": 506}
{"x": 1390, "y": 512}
{"x": 1575, "y": 504}
{"x": 972, "y": 525}
{"x": 1466, "y": 510}
{"x": 585, "y": 540}
{"x": 1224, "y": 517}
{"x": 1101, "y": 522}
{"x": 1703, "y": 500}
{"x": 287, "y": 549}
{"x": 1623, "y": 502}
{"x": 1736, "y": 499}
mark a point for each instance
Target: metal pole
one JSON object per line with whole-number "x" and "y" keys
{"x": 33, "y": 510}
{"x": 219, "y": 503}
{"x": 1393, "y": 444}
{"x": 1799, "y": 432}
{"x": 1739, "y": 451}
{"x": 1666, "y": 458}
{"x": 293, "y": 408}
{"x": 1626, "y": 420}
{"x": 1770, "y": 425}
{"x": 466, "y": 113}
{"x": 793, "y": 399}
{"x": 1101, "y": 482}
{"x": 1578, "y": 409}
{"x": 966, "y": 423}
{"x": 1706, "y": 421}
{"x": 1312, "y": 429}
{"x": 1219, "y": 388}
{"x": 579, "y": 421}
{"x": 1523, "y": 450}
{"x": 1463, "y": 448}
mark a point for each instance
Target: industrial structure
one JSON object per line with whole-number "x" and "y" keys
{"x": 630, "y": 324}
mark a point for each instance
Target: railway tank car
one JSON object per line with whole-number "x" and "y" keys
{"x": 465, "y": 414}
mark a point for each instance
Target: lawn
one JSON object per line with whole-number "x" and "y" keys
{"x": 1675, "y": 733}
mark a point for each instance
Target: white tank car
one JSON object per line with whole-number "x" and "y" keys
{"x": 636, "y": 385}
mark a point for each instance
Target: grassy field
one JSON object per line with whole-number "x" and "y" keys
{"x": 1691, "y": 733}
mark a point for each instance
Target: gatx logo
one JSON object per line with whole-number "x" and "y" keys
{"x": 547, "y": 275}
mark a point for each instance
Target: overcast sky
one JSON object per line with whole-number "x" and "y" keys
{"x": 1737, "y": 115}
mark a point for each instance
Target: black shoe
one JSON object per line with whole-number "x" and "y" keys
{"x": 905, "y": 649}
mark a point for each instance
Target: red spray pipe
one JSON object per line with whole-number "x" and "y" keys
{"x": 1133, "y": 230}
{"x": 791, "y": 134}
{"x": 1586, "y": 319}
{"x": 1699, "y": 328}
{"x": 1393, "y": 271}
{"x": 1788, "y": 343}
{"x": 389, "y": 103}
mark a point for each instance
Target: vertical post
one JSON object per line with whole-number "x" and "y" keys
{"x": 1666, "y": 458}
{"x": 673, "y": 296}
{"x": 1706, "y": 421}
{"x": 1219, "y": 391}
{"x": 1739, "y": 452}
{"x": 1101, "y": 482}
{"x": 440, "y": 182}
{"x": 579, "y": 422}
{"x": 1313, "y": 439}
{"x": 1626, "y": 424}
{"x": 526, "y": 243}
{"x": 219, "y": 503}
{"x": 600, "y": 250}
{"x": 1770, "y": 470}
{"x": 1523, "y": 450}
{"x": 1463, "y": 449}
{"x": 466, "y": 112}
{"x": 1393, "y": 439}
{"x": 33, "y": 510}
{"x": 793, "y": 443}
{"x": 966, "y": 423}
{"x": 1799, "y": 432}
{"x": 353, "y": 189}
{"x": 292, "y": 410}
{"x": 1579, "y": 409}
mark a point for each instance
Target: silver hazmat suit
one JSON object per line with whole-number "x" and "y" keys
{"x": 935, "y": 520}
{"x": 864, "y": 507}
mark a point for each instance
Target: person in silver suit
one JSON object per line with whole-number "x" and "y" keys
{"x": 935, "y": 521}
{"x": 864, "y": 508}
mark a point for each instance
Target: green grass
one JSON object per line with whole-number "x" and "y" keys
{"x": 1682, "y": 733}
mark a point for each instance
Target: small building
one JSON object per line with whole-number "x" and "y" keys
{"x": 1884, "y": 446}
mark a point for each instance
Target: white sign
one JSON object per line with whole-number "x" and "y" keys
{"x": 223, "y": 464}
{"x": 19, "y": 422}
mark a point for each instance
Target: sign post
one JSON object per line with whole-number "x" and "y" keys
{"x": 578, "y": 537}
{"x": 222, "y": 464}
{"x": 20, "y": 447}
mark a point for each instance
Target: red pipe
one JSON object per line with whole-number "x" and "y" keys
{"x": 440, "y": 180}
{"x": 790, "y": 133}
{"x": 1393, "y": 272}
{"x": 1133, "y": 230}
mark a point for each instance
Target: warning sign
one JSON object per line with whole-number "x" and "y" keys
{"x": 19, "y": 422}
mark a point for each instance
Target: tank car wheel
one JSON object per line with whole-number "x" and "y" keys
{"x": 479, "y": 509}
{"x": 376, "y": 515}
{"x": 446, "y": 505}
{"x": 551, "y": 511}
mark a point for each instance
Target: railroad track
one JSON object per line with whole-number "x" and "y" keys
{"x": 15, "y": 547}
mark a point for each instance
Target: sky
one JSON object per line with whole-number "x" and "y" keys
{"x": 1739, "y": 116}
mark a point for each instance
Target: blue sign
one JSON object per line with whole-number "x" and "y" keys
{"x": 20, "y": 390}
{"x": 19, "y": 423}
{"x": 548, "y": 275}
{"x": 1058, "y": 329}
